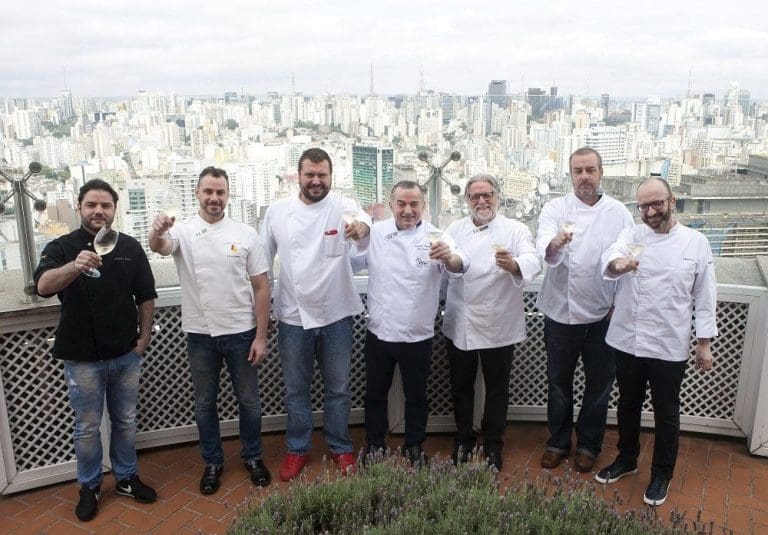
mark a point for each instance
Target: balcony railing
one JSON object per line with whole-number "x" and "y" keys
{"x": 36, "y": 421}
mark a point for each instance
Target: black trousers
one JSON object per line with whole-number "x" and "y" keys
{"x": 497, "y": 366}
{"x": 633, "y": 374}
{"x": 414, "y": 360}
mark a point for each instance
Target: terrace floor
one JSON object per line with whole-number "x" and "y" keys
{"x": 714, "y": 475}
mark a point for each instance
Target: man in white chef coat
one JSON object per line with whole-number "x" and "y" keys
{"x": 405, "y": 269}
{"x": 574, "y": 231}
{"x": 484, "y": 315}
{"x": 314, "y": 303}
{"x": 666, "y": 276}
{"x": 225, "y": 314}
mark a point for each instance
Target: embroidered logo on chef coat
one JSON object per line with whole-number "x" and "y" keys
{"x": 233, "y": 250}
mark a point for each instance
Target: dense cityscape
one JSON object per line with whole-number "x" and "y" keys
{"x": 712, "y": 147}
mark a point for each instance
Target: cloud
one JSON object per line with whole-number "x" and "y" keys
{"x": 622, "y": 48}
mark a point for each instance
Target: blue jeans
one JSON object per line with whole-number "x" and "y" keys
{"x": 565, "y": 343}
{"x": 206, "y": 357}
{"x": 88, "y": 382}
{"x": 332, "y": 345}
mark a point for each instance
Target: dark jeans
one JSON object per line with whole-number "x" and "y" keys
{"x": 497, "y": 366}
{"x": 206, "y": 357}
{"x": 565, "y": 343}
{"x": 665, "y": 377}
{"x": 414, "y": 360}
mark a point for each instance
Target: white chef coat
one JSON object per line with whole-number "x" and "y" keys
{"x": 403, "y": 283}
{"x": 315, "y": 284}
{"x": 675, "y": 279}
{"x": 215, "y": 263}
{"x": 484, "y": 308}
{"x": 574, "y": 291}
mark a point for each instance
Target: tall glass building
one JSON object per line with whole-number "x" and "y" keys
{"x": 372, "y": 173}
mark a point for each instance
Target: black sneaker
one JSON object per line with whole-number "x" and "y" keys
{"x": 461, "y": 453}
{"x": 259, "y": 473}
{"x": 656, "y": 493}
{"x": 138, "y": 490}
{"x": 209, "y": 483}
{"x": 415, "y": 455}
{"x": 615, "y": 471}
{"x": 88, "y": 504}
{"x": 494, "y": 459}
{"x": 373, "y": 454}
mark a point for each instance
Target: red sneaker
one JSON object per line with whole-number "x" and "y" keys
{"x": 292, "y": 466}
{"x": 345, "y": 462}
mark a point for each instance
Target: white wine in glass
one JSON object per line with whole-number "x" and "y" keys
{"x": 635, "y": 250}
{"x": 103, "y": 243}
{"x": 169, "y": 202}
{"x": 498, "y": 248}
{"x": 350, "y": 216}
{"x": 568, "y": 226}
{"x": 434, "y": 236}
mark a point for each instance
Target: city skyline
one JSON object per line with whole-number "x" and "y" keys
{"x": 600, "y": 47}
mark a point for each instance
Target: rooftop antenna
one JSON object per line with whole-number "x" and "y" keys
{"x": 293, "y": 84}
{"x": 370, "y": 89}
{"x": 65, "y": 77}
{"x": 421, "y": 76}
{"x": 689, "y": 83}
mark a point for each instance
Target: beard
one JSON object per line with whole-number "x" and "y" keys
{"x": 316, "y": 196}
{"x": 484, "y": 215}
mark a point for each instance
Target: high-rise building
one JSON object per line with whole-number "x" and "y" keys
{"x": 744, "y": 100}
{"x": 605, "y": 100}
{"x": 539, "y": 101}
{"x": 67, "y": 105}
{"x": 497, "y": 94}
{"x": 372, "y": 173}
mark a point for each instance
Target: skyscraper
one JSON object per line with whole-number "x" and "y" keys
{"x": 372, "y": 173}
{"x": 497, "y": 94}
{"x": 605, "y": 100}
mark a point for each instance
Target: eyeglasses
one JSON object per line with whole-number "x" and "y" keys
{"x": 656, "y": 205}
{"x": 486, "y": 196}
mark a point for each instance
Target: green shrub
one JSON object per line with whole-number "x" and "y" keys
{"x": 390, "y": 497}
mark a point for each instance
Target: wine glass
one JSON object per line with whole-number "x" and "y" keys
{"x": 635, "y": 250}
{"x": 169, "y": 203}
{"x": 568, "y": 224}
{"x": 497, "y": 247}
{"x": 103, "y": 243}
{"x": 350, "y": 217}
{"x": 433, "y": 236}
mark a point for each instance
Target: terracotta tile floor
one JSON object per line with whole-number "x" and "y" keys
{"x": 714, "y": 475}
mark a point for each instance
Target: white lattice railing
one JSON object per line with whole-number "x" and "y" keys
{"x": 36, "y": 421}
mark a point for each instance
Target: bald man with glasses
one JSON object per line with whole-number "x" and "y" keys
{"x": 666, "y": 277}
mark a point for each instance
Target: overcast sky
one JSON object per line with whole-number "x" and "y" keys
{"x": 189, "y": 47}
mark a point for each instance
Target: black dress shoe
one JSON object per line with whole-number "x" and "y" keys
{"x": 210, "y": 483}
{"x": 494, "y": 459}
{"x": 259, "y": 473}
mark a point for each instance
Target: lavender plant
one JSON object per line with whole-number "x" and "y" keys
{"x": 388, "y": 496}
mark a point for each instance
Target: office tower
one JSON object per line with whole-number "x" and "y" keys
{"x": 648, "y": 115}
{"x": 67, "y": 105}
{"x": 605, "y": 101}
{"x": 708, "y": 103}
{"x": 372, "y": 173}
{"x": 609, "y": 141}
{"x": 137, "y": 218}
{"x": 538, "y": 99}
{"x": 744, "y": 99}
{"x": 497, "y": 94}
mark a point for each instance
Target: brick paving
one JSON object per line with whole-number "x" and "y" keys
{"x": 715, "y": 478}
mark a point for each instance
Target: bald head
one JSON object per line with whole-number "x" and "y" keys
{"x": 656, "y": 204}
